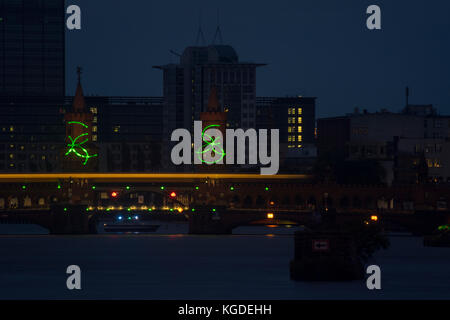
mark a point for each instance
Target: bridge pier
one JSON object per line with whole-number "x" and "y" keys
{"x": 70, "y": 219}
{"x": 325, "y": 256}
{"x": 208, "y": 220}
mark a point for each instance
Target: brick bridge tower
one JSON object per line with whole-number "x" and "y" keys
{"x": 80, "y": 153}
{"x": 217, "y": 118}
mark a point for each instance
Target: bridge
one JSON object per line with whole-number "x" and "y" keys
{"x": 73, "y": 202}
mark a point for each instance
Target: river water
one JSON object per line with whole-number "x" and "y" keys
{"x": 251, "y": 264}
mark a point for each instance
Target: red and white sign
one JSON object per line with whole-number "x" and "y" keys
{"x": 321, "y": 245}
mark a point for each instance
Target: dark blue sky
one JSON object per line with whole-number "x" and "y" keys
{"x": 316, "y": 48}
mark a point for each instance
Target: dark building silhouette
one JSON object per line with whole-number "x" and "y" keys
{"x": 32, "y": 48}
{"x": 399, "y": 141}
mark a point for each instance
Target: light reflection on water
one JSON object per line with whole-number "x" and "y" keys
{"x": 176, "y": 229}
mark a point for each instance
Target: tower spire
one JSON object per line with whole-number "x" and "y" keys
{"x": 79, "y": 72}
{"x": 218, "y": 33}
{"x": 200, "y": 35}
{"x": 79, "y": 104}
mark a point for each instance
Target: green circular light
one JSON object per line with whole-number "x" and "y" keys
{"x": 74, "y": 145}
{"x": 211, "y": 145}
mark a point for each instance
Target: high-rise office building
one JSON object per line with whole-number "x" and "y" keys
{"x": 187, "y": 86}
{"x": 32, "y": 48}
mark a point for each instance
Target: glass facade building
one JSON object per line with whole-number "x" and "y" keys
{"x": 32, "y": 48}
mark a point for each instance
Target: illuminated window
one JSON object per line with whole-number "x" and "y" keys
{"x": 299, "y": 120}
{"x": 299, "y": 138}
{"x": 289, "y": 138}
{"x": 289, "y": 110}
{"x": 293, "y": 138}
{"x": 11, "y": 129}
{"x": 300, "y": 110}
{"x": 94, "y": 129}
{"x": 299, "y": 129}
{"x": 94, "y": 138}
{"x": 437, "y": 163}
{"x": 116, "y": 129}
{"x": 289, "y": 129}
{"x": 299, "y": 146}
{"x": 11, "y": 156}
{"x": 95, "y": 120}
{"x": 94, "y": 110}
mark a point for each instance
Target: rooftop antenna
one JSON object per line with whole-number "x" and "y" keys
{"x": 407, "y": 96}
{"x": 218, "y": 31}
{"x": 200, "y": 35}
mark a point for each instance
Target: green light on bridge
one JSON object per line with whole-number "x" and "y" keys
{"x": 65, "y": 209}
{"x": 232, "y": 188}
{"x": 196, "y": 188}
{"x": 128, "y": 187}
{"x": 24, "y": 187}
{"x": 162, "y": 187}
{"x": 59, "y": 187}
{"x": 94, "y": 187}
{"x": 267, "y": 188}
{"x": 193, "y": 210}
{"x": 129, "y": 209}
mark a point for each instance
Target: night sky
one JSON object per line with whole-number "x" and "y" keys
{"x": 316, "y": 48}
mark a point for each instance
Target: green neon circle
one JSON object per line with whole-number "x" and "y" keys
{"x": 74, "y": 144}
{"x": 210, "y": 145}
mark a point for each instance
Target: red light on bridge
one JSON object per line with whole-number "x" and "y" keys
{"x": 114, "y": 194}
{"x": 173, "y": 195}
